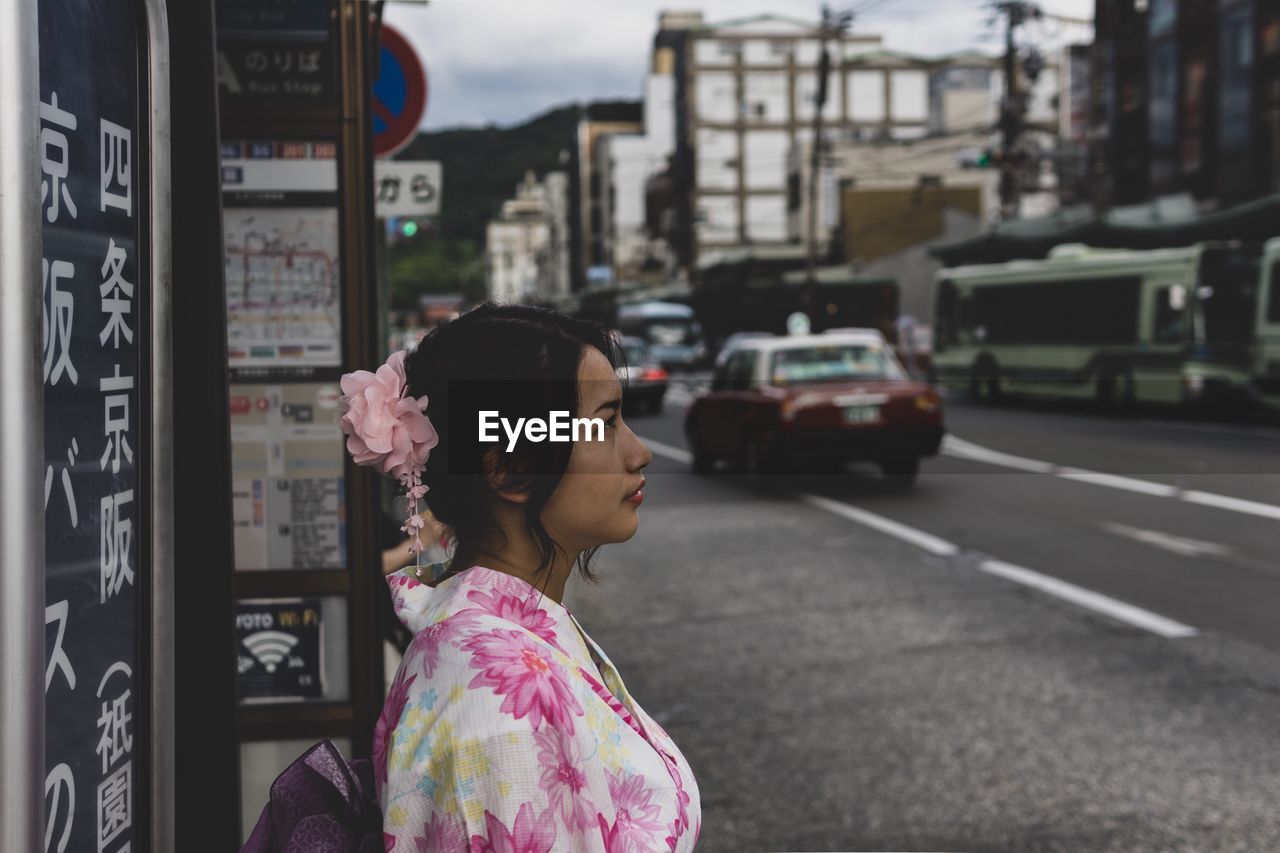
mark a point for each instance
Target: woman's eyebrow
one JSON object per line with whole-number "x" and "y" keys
{"x": 615, "y": 404}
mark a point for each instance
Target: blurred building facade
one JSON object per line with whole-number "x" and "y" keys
{"x": 749, "y": 91}
{"x": 527, "y": 246}
{"x": 588, "y": 237}
{"x": 1186, "y": 99}
{"x": 627, "y": 163}
{"x": 884, "y": 200}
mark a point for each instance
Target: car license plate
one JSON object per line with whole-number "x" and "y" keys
{"x": 861, "y": 414}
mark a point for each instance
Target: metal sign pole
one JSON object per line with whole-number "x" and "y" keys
{"x": 22, "y": 605}
{"x": 163, "y": 673}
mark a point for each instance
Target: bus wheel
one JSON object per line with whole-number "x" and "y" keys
{"x": 984, "y": 382}
{"x": 1116, "y": 389}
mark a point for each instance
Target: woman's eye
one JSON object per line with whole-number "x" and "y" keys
{"x": 612, "y": 423}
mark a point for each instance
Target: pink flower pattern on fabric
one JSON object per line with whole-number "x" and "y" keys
{"x": 397, "y": 698}
{"x": 520, "y": 611}
{"x": 526, "y": 835}
{"x": 534, "y": 685}
{"x": 562, "y": 778}
{"x": 442, "y": 835}
{"x": 639, "y": 817}
{"x": 508, "y": 742}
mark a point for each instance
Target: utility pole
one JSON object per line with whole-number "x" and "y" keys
{"x": 834, "y": 24}
{"x": 1013, "y": 112}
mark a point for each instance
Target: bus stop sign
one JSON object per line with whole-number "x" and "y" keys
{"x": 399, "y": 94}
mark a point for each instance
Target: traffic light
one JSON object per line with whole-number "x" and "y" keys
{"x": 409, "y": 228}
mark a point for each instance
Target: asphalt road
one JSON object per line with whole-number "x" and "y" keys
{"x": 1065, "y": 637}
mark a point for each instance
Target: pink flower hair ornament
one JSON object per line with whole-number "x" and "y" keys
{"x": 389, "y": 431}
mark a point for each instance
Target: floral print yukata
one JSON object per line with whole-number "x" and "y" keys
{"x": 507, "y": 729}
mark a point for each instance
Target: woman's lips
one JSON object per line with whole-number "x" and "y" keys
{"x": 637, "y": 497}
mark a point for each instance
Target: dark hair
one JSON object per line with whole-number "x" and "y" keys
{"x": 519, "y": 360}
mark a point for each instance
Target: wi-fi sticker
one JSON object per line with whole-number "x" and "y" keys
{"x": 270, "y": 647}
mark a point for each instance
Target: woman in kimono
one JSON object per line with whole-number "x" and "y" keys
{"x": 507, "y": 728}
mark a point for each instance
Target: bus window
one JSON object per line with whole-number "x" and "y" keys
{"x": 945, "y": 315}
{"x": 1273, "y": 303}
{"x": 1170, "y": 316}
{"x": 966, "y": 317}
{"x": 1063, "y": 312}
{"x": 1227, "y": 296}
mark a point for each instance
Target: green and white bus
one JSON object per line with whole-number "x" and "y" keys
{"x": 1192, "y": 325}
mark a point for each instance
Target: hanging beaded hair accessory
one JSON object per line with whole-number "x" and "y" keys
{"x": 390, "y": 431}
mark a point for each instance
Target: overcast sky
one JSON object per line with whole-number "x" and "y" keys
{"x": 504, "y": 61}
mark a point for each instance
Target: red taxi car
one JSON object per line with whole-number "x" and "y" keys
{"x": 799, "y": 401}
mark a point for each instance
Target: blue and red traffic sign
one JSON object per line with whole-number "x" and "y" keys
{"x": 399, "y": 94}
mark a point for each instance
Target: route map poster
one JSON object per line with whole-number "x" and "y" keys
{"x": 281, "y": 236}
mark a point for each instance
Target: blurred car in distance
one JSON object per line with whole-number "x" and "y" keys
{"x": 802, "y": 401}
{"x": 670, "y": 329}
{"x": 731, "y": 342}
{"x": 644, "y": 380}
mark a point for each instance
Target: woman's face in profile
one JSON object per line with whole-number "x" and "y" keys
{"x": 590, "y": 507}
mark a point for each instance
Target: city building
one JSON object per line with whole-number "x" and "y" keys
{"x": 628, "y": 163}
{"x": 588, "y": 243}
{"x": 1186, "y": 99}
{"x": 527, "y": 246}
{"x": 746, "y": 92}
{"x": 884, "y": 200}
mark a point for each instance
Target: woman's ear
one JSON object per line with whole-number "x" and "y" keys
{"x": 507, "y": 476}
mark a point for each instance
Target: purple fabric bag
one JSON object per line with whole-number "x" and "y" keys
{"x": 321, "y": 803}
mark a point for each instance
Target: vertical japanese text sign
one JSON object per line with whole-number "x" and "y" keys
{"x": 95, "y": 285}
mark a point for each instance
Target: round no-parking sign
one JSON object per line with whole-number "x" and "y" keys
{"x": 399, "y": 94}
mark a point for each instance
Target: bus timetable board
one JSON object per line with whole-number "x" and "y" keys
{"x": 284, "y": 349}
{"x": 288, "y": 488}
{"x": 95, "y": 285}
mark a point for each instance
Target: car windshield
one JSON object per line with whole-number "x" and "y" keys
{"x": 833, "y": 363}
{"x": 671, "y": 332}
{"x": 634, "y": 354}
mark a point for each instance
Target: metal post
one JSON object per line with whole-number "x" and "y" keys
{"x": 163, "y": 671}
{"x": 356, "y": 57}
{"x": 834, "y": 25}
{"x": 1013, "y": 112}
{"x": 815, "y": 161}
{"x": 22, "y": 659}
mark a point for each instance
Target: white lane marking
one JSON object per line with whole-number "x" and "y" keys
{"x": 680, "y": 394}
{"x": 1089, "y": 600}
{"x": 961, "y": 449}
{"x": 1234, "y": 504}
{"x": 675, "y": 453}
{"x": 919, "y": 538}
{"x": 1079, "y": 596}
{"x": 1113, "y": 481}
{"x": 1176, "y": 544}
{"x": 953, "y": 446}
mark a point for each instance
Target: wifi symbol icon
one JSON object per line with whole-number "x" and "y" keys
{"x": 270, "y": 647}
